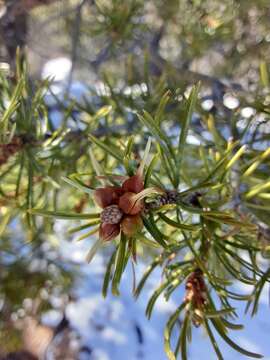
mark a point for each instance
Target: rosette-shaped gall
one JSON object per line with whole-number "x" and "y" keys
{"x": 122, "y": 207}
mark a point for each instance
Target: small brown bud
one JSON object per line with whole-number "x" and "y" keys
{"x": 107, "y": 196}
{"x": 130, "y": 225}
{"x": 133, "y": 184}
{"x": 130, "y": 204}
{"x": 108, "y": 232}
{"x": 196, "y": 295}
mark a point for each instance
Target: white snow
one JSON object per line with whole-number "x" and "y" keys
{"x": 58, "y": 69}
{"x": 116, "y": 328}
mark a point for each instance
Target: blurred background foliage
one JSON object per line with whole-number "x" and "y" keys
{"x": 91, "y": 67}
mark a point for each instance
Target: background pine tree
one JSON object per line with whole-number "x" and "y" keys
{"x": 154, "y": 144}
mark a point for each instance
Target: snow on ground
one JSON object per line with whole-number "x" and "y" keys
{"x": 116, "y": 328}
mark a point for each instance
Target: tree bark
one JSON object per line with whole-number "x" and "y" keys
{"x": 13, "y": 25}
